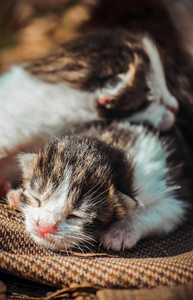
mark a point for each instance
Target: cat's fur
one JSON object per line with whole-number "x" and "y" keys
{"x": 115, "y": 183}
{"x": 129, "y": 76}
{"x": 33, "y": 109}
{"x": 111, "y": 73}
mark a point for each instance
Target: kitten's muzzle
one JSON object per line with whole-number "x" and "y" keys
{"x": 171, "y": 103}
{"x": 42, "y": 229}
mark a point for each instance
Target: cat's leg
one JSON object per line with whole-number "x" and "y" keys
{"x": 159, "y": 218}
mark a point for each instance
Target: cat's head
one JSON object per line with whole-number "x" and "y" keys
{"x": 70, "y": 191}
{"x": 123, "y": 71}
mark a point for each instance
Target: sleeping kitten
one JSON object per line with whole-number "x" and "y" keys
{"x": 158, "y": 19}
{"x": 113, "y": 183}
{"x": 128, "y": 82}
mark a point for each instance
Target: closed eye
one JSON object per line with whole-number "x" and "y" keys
{"x": 27, "y": 201}
{"x": 37, "y": 201}
{"x": 72, "y": 216}
{"x": 111, "y": 82}
{"x": 113, "y": 89}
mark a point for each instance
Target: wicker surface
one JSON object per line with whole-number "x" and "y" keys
{"x": 156, "y": 261}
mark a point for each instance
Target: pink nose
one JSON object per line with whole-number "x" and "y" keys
{"x": 103, "y": 100}
{"x": 42, "y": 229}
{"x": 171, "y": 104}
{"x": 173, "y": 109}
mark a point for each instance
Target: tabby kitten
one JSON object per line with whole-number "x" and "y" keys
{"x": 113, "y": 183}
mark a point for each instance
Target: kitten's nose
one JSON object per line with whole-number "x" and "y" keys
{"x": 171, "y": 103}
{"x": 103, "y": 100}
{"x": 44, "y": 229}
{"x": 173, "y": 109}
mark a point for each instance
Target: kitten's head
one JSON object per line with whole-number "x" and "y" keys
{"x": 71, "y": 190}
{"x": 123, "y": 70}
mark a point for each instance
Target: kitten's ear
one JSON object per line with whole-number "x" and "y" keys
{"x": 13, "y": 197}
{"x": 26, "y": 160}
{"x": 126, "y": 204}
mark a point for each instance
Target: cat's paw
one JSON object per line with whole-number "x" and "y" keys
{"x": 117, "y": 237}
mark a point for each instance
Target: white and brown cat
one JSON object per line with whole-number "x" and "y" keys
{"x": 113, "y": 183}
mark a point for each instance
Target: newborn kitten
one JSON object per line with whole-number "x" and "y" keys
{"x": 128, "y": 82}
{"x": 159, "y": 20}
{"x": 115, "y": 184}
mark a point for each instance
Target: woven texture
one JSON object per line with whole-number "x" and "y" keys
{"x": 155, "y": 261}
{"x": 160, "y": 293}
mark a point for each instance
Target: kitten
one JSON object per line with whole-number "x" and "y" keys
{"x": 113, "y": 183}
{"x": 159, "y": 20}
{"x": 128, "y": 82}
{"x": 130, "y": 74}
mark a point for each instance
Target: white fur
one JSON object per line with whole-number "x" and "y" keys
{"x": 50, "y": 214}
{"x": 162, "y": 212}
{"x": 31, "y": 110}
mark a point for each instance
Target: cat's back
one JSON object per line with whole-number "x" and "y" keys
{"x": 162, "y": 156}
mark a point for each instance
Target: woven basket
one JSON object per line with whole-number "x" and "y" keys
{"x": 154, "y": 261}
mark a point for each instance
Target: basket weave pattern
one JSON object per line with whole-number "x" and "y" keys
{"x": 154, "y": 261}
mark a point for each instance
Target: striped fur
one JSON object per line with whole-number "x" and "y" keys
{"x": 112, "y": 183}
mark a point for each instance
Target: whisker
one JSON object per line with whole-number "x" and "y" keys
{"x": 78, "y": 246}
{"x": 93, "y": 202}
{"x": 80, "y": 238}
{"x": 87, "y": 237}
{"x": 87, "y": 247}
{"x": 94, "y": 187}
{"x": 95, "y": 198}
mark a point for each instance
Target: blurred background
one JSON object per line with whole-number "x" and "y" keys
{"x": 29, "y": 28}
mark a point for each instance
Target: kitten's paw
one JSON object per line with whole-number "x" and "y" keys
{"x": 118, "y": 238}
